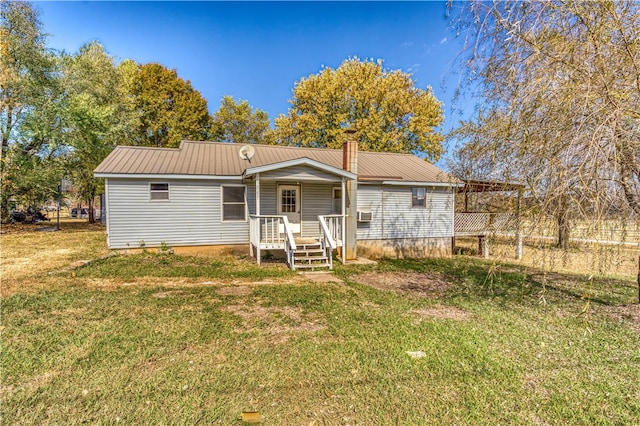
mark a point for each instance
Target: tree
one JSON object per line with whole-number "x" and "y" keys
{"x": 168, "y": 107}
{"x": 386, "y": 110}
{"x": 96, "y": 120}
{"x": 29, "y": 101}
{"x": 560, "y": 85}
{"x": 237, "y": 122}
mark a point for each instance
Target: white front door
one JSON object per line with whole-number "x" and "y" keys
{"x": 289, "y": 205}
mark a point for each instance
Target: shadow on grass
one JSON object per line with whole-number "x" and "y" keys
{"x": 508, "y": 283}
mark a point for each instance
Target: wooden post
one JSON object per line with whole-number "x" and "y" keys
{"x": 486, "y": 252}
{"x": 350, "y": 164}
{"x": 518, "y": 225}
{"x": 483, "y": 245}
{"x": 258, "y": 212}
{"x": 638, "y": 279}
{"x": 343, "y": 231}
{"x": 257, "y": 194}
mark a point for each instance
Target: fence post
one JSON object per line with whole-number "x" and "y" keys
{"x": 518, "y": 226}
{"x": 638, "y": 279}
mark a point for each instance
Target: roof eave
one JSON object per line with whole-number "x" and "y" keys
{"x": 303, "y": 161}
{"x": 416, "y": 183}
{"x": 164, "y": 176}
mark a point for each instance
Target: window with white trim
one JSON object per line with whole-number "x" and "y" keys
{"x": 158, "y": 191}
{"x": 337, "y": 201}
{"x": 418, "y": 197}
{"x": 234, "y": 203}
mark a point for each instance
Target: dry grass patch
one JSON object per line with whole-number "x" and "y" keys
{"x": 27, "y": 252}
{"x": 441, "y": 312}
{"x": 413, "y": 283}
{"x": 275, "y": 320}
{"x": 239, "y": 290}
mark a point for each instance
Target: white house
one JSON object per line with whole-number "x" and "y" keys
{"x": 305, "y": 201}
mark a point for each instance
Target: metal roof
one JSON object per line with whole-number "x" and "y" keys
{"x": 207, "y": 159}
{"x": 474, "y": 185}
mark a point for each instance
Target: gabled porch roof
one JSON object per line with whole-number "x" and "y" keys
{"x": 303, "y": 161}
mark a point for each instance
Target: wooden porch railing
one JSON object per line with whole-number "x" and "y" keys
{"x": 335, "y": 225}
{"x": 271, "y": 232}
{"x": 327, "y": 241}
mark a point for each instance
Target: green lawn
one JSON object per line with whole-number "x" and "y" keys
{"x": 163, "y": 339}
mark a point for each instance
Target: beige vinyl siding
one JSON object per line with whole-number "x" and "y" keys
{"x": 316, "y": 200}
{"x": 191, "y": 216}
{"x": 393, "y": 217}
{"x": 403, "y": 221}
{"x": 370, "y": 200}
{"x": 268, "y": 198}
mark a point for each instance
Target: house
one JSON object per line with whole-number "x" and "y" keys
{"x": 304, "y": 201}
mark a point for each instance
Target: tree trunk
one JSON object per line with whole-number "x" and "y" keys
{"x": 563, "y": 229}
{"x": 91, "y": 214}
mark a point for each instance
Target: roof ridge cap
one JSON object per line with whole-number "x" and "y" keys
{"x": 156, "y": 148}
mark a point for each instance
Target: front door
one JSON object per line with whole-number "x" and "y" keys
{"x": 289, "y": 205}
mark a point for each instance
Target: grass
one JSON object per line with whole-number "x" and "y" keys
{"x": 160, "y": 338}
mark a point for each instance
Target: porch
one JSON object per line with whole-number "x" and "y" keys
{"x": 274, "y": 232}
{"x": 299, "y": 208}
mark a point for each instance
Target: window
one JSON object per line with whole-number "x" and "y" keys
{"x": 158, "y": 191}
{"x": 418, "y": 197}
{"x": 337, "y": 201}
{"x": 288, "y": 202}
{"x": 234, "y": 203}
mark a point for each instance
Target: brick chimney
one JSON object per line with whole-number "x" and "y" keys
{"x": 350, "y": 164}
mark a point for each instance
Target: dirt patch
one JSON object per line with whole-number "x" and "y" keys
{"x": 628, "y": 313}
{"x": 276, "y": 322}
{"x": 414, "y": 283}
{"x": 441, "y": 311}
{"x": 239, "y": 290}
{"x": 321, "y": 277}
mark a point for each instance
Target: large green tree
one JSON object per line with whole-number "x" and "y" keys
{"x": 96, "y": 119}
{"x": 168, "y": 107}
{"x": 30, "y": 95}
{"x": 384, "y": 108}
{"x": 560, "y": 89}
{"x": 237, "y": 122}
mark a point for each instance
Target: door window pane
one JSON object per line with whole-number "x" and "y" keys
{"x": 288, "y": 200}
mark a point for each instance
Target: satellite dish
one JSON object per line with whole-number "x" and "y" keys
{"x": 247, "y": 152}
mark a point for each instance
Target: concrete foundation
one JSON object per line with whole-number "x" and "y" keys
{"x": 204, "y": 251}
{"x": 405, "y": 248}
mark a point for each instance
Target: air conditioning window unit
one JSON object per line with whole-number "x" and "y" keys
{"x": 364, "y": 216}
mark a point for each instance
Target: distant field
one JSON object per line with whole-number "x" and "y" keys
{"x": 596, "y": 231}
{"x": 157, "y": 338}
{"x": 604, "y": 259}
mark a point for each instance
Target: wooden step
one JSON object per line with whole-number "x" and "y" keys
{"x": 313, "y": 266}
{"x": 314, "y": 252}
{"x": 313, "y": 246}
{"x": 309, "y": 259}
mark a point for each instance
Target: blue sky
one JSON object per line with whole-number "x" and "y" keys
{"x": 258, "y": 50}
